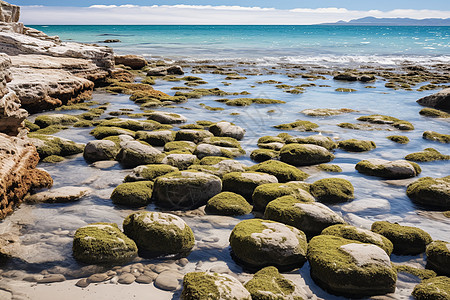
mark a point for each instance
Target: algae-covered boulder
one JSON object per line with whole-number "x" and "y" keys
{"x": 204, "y": 150}
{"x": 192, "y": 135}
{"x": 282, "y": 171}
{"x": 260, "y": 155}
{"x": 100, "y": 150}
{"x": 157, "y": 137}
{"x": 305, "y": 154}
{"x": 438, "y": 257}
{"x": 350, "y": 268}
{"x": 428, "y": 154}
{"x": 298, "y": 125}
{"x": 310, "y": 217}
{"x": 388, "y": 120}
{"x": 221, "y": 168}
{"x": 332, "y": 190}
{"x": 101, "y": 132}
{"x": 102, "y": 243}
{"x": 269, "y": 284}
{"x": 244, "y": 183}
{"x": 228, "y": 204}
{"x": 149, "y": 172}
{"x": 157, "y": 233}
{"x": 134, "y": 153}
{"x": 407, "y": 240}
{"x": 186, "y": 189}
{"x": 180, "y": 160}
{"x": 55, "y": 119}
{"x": 431, "y": 192}
{"x": 166, "y": 117}
{"x": 133, "y": 193}
{"x": 359, "y": 234}
{"x": 355, "y": 145}
{"x": 437, "y": 137}
{"x": 208, "y": 285}
{"x": 401, "y": 139}
{"x": 268, "y": 192}
{"x": 397, "y": 169}
{"x": 134, "y": 125}
{"x": 317, "y": 139}
{"x": 180, "y": 146}
{"x": 47, "y": 145}
{"x": 259, "y": 243}
{"x": 437, "y": 288}
{"x": 227, "y": 129}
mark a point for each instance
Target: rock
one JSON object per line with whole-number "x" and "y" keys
{"x": 158, "y": 233}
{"x": 204, "y": 150}
{"x": 406, "y": 240}
{"x": 102, "y": 243}
{"x": 134, "y": 125}
{"x": 268, "y": 284}
{"x": 260, "y": 155}
{"x": 100, "y": 150}
{"x": 332, "y": 190}
{"x": 166, "y": 117}
{"x": 156, "y": 138}
{"x": 268, "y": 192}
{"x": 51, "y": 278}
{"x": 134, "y": 153}
{"x": 355, "y": 145}
{"x": 102, "y": 132}
{"x": 401, "y": 139}
{"x": 163, "y": 71}
{"x": 350, "y": 268}
{"x": 99, "y": 277}
{"x": 82, "y": 283}
{"x": 144, "y": 279}
{"x": 309, "y": 217}
{"x": 298, "y": 125}
{"x": 180, "y": 161}
{"x": 126, "y": 278}
{"x": 428, "y": 154}
{"x": 346, "y": 77}
{"x": 221, "y": 168}
{"x": 431, "y": 192}
{"x": 438, "y": 257}
{"x": 439, "y": 100}
{"x": 9, "y": 13}
{"x": 168, "y": 280}
{"x": 282, "y": 171}
{"x": 59, "y": 195}
{"x": 192, "y": 135}
{"x": 227, "y": 129}
{"x": 397, "y": 169}
{"x": 228, "y": 204}
{"x": 305, "y": 154}
{"x": 55, "y": 119}
{"x": 259, "y": 243}
{"x": 149, "y": 172}
{"x": 434, "y": 288}
{"x": 325, "y": 112}
{"x": 244, "y": 183}
{"x": 47, "y": 145}
{"x": 359, "y": 234}
{"x": 317, "y": 139}
{"x": 433, "y": 113}
{"x": 387, "y": 120}
{"x": 133, "y": 193}
{"x": 180, "y": 147}
{"x": 437, "y": 137}
{"x": 208, "y": 285}
{"x": 186, "y": 189}
{"x": 135, "y": 62}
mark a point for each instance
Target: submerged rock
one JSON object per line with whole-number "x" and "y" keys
{"x": 428, "y": 154}
{"x": 438, "y": 257}
{"x": 437, "y": 137}
{"x": 431, "y": 192}
{"x": 397, "y": 169}
{"x": 434, "y": 288}
{"x": 59, "y": 195}
{"x": 439, "y": 100}
{"x": 305, "y": 154}
{"x": 388, "y": 120}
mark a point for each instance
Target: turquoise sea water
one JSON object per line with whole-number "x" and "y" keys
{"x": 265, "y": 44}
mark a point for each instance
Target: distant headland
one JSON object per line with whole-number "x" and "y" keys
{"x": 372, "y": 21}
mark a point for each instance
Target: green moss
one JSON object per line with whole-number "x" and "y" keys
{"x": 435, "y": 113}
{"x": 401, "y": 139}
{"x": 282, "y": 171}
{"x": 437, "y": 288}
{"x": 358, "y": 234}
{"x": 204, "y": 123}
{"x": 430, "y": 192}
{"x": 437, "y": 137}
{"x": 222, "y": 142}
{"x": 192, "y": 135}
{"x": 370, "y": 168}
{"x": 382, "y": 119}
{"x": 345, "y": 90}
{"x": 101, "y": 132}
{"x": 199, "y": 286}
{"x": 56, "y": 146}
{"x": 191, "y": 126}
{"x": 228, "y": 204}
{"x": 211, "y": 160}
{"x": 269, "y": 284}
{"x": 31, "y": 126}
{"x": 298, "y": 125}
{"x": 149, "y": 172}
{"x": 349, "y": 126}
{"x": 446, "y": 214}
{"x": 332, "y": 190}
{"x": 102, "y": 243}
{"x": 421, "y": 273}
{"x": 134, "y": 125}
{"x": 148, "y": 80}
{"x": 78, "y": 106}
{"x": 56, "y": 119}
{"x": 235, "y": 77}
{"x": 84, "y": 124}
{"x": 270, "y": 139}
{"x": 304, "y": 154}
{"x": 318, "y": 140}
{"x": 260, "y": 155}
{"x": 198, "y": 93}
{"x": 159, "y": 233}
{"x": 428, "y": 154}
{"x": 438, "y": 257}
{"x": 406, "y": 240}
{"x": 355, "y": 145}
{"x": 133, "y": 193}
{"x": 155, "y": 138}
{"x": 53, "y": 159}
{"x": 52, "y": 129}
{"x": 268, "y": 192}
{"x": 244, "y": 183}
{"x": 185, "y": 146}
{"x": 330, "y": 168}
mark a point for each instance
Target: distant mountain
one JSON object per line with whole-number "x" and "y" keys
{"x": 367, "y": 21}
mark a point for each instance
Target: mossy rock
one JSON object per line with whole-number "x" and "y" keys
{"x": 355, "y": 145}
{"x": 102, "y": 243}
{"x": 431, "y": 192}
{"x": 52, "y": 129}
{"x": 244, "y": 183}
{"x": 182, "y": 161}
{"x": 156, "y": 138}
{"x": 350, "y": 268}
{"x": 134, "y": 125}
{"x": 401, "y": 139}
{"x": 325, "y": 112}
{"x": 268, "y": 192}
{"x": 438, "y": 257}
{"x": 203, "y": 150}
{"x": 270, "y": 139}
{"x": 298, "y": 125}
{"x": 221, "y": 168}
{"x": 382, "y": 119}
{"x": 435, "y": 113}
{"x": 359, "y": 234}
{"x": 55, "y": 119}
{"x": 133, "y": 193}
{"x": 149, "y": 172}
{"x": 305, "y": 154}
{"x": 282, "y": 171}
{"x": 31, "y": 126}
{"x": 184, "y": 146}
{"x": 134, "y": 153}
{"x": 261, "y": 155}
{"x": 428, "y": 154}
{"x": 49, "y": 145}
{"x": 345, "y": 90}
{"x": 269, "y": 284}
{"x": 101, "y": 132}
{"x": 332, "y": 190}
{"x": 228, "y": 204}
{"x": 192, "y": 135}
{"x": 437, "y": 288}
{"x": 53, "y": 159}
{"x": 418, "y": 272}
{"x": 157, "y": 233}
{"x": 317, "y": 139}
{"x": 100, "y": 150}
{"x": 309, "y": 217}
{"x": 437, "y": 137}
{"x": 330, "y": 168}
{"x": 407, "y": 240}
{"x": 191, "y": 126}
{"x": 259, "y": 243}
{"x": 211, "y": 160}
{"x": 397, "y": 169}
{"x": 207, "y": 285}
{"x": 222, "y": 142}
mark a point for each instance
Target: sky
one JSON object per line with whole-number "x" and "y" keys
{"x": 292, "y": 12}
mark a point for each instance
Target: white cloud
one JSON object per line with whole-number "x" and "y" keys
{"x": 205, "y": 14}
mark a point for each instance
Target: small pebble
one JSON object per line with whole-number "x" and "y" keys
{"x": 168, "y": 280}
{"x": 52, "y": 278}
{"x": 183, "y": 262}
{"x": 82, "y": 283}
{"x": 144, "y": 279}
{"x": 97, "y": 278}
{"x": 126, "y": 278}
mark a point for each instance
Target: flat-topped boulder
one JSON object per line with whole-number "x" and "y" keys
{"x": 135, "y": 62}
{"x": 59, "y": 195}
{"x": 227, "y": 129}
{"x": 134, "y": 153}
{"x": 165, "y": 70}
{"x": 332, "y": 190}
{"x": 431, "y": 192}
{"x": 305, "y": 154}
{"x": 182, "y": 161}
{"x": 166, "y": 117}
{"x": 397, "y": 169}
{"x": 149, "y": 172}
